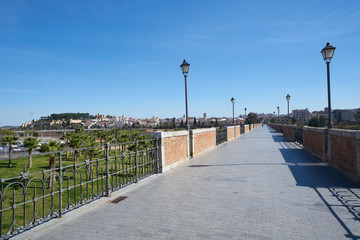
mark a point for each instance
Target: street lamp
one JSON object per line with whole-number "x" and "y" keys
{"x": 327, "y": 53}
{"x": 233, "y": 101}
{"x": 185, "y": 70}
{"x": 32, "y": 124}
{"x": 278, "y": 108}
{"x": 288, "y": 99}
{"x": 245, "y": 114}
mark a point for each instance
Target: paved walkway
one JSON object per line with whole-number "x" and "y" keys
{"x": 259, "y": 186}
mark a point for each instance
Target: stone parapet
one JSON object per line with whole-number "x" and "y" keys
{"x": 174, "y": 149}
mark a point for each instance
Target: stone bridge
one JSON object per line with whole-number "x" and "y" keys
{"x": 257, "y": 186}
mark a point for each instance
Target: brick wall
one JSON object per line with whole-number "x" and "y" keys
{"x": 237, "y": 131}
{"x": 289, "y": 132}
{"x": 229, "y": 132}
{"x": 315, "y": 141}
{"x": 345, "y": 152}
{"x": 174, "y": 148}
{"x": 246, "y": 128}
{"x": 202, "y": 140}
{"x": 177, "y": 147}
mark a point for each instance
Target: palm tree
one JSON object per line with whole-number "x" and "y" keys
{"x": 9, "y": 140}
{"x": 101, "y": 135}
{"x": 109, "y": 138}
{"x": 52, "y": 146}
{"x": 91, "y": 153}
{"x": 31, "y": 143}
{"x": 76, "y": 141}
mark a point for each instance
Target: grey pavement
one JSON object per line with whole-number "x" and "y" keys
{"x": 259, "y": 186}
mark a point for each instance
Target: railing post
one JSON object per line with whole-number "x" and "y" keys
{"x": 60, "y": 185}
{"x": 107, "y": 186}
{"x": 157, "y": 141}
{"x": 1, "y": 204}
{"x": 136, "y": 161}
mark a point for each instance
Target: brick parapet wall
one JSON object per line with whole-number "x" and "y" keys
{"x": 174, "y": 148}
{"x": 289, "y": 132}
{"x": 315, "y": 141}
{"x": 230, "y": 132}
{"x": 238, "y": 133}
{"x": 202, "y": 140}
{"x": 246, "y": 128}
{"x": 345, "y": 152}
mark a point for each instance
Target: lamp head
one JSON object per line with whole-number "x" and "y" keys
{"x": 185, "y": 67}
{"x": 328, "y": 52}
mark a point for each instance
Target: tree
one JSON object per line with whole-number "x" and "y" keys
{"x": 322, "y": 121}
{"x": 173, "y": 122}
{"x": 357, "y": 115}
{"x": 9, "y": 140}
{"x": 51, "y": 146}
{"x": 31, "y": 143}
{"x": 314, "y": 122}
{"x": 252, "y": 118}
{"x": 274, "y": 120}
{"x": 91, "y": 152}
{"x": 76, "y": 140}
{"x": 109, "y": 138}
{"x": 195, "y": 123}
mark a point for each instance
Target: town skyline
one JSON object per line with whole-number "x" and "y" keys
{"x": 124, "y": 57}
{"x": 129, "y": 120}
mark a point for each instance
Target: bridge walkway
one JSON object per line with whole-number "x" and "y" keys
{"x": 259, "y": 186}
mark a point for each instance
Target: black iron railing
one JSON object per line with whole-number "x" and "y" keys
{"x": 30, "y": 198}
{"x": 221, "y": 136}
{"x": 298, "y": 135}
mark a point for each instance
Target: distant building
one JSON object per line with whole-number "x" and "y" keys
{"x": 302, "y": 115}
{"x": 341, "y": 115}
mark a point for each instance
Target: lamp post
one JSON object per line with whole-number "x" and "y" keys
{"x": 233, "y": 102}
{"x": 278, "y": 108}
{"x": 327, "y": 53}
{"x": 185, "y": 70}
{"x": 245, "y": 114}
{"x": 32, "y": 124}
{"x": 288, "y": 100}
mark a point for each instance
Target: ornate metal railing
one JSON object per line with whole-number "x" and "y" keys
{"x": 221, "y": 136}
{"x": 30, "y": 198}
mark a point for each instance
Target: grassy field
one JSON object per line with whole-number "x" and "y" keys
{"x": 86, "y": 182}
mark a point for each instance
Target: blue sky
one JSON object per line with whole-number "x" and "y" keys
{"x": 123, "y": 57}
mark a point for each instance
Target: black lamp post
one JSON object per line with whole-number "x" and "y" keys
{"x": 278, "y": 108}
{"x": 185, "y": 70}
{"x": 233, "y": 102}
{"x": 327, "y": 53}
{"x": 32, "y": 124}
{"x": 288, "y": 100}
{"x": 245, "y": 113}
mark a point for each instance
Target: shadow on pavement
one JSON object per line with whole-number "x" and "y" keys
{"x": 334, "y": 189}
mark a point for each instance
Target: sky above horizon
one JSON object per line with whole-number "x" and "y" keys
{"x": 123, "y": 57}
